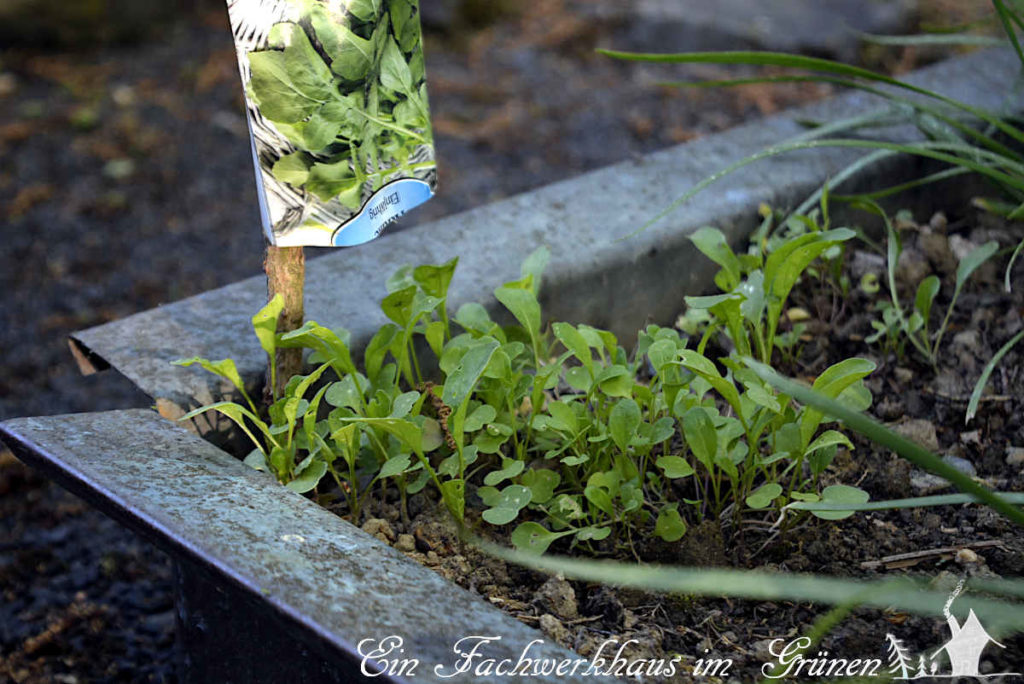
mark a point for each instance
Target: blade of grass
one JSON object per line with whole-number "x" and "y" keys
{"x": 781, "y": 59}
{"x": 986, "y": 373}
{"x": 931, "y": 150}
{"x": 1009, "y": 266}
{"x": 932, "y": 39}
{"x": 1007, "y": 18}
{"x": 915, "y": 502}
{"x": 883, "y": 436}
{"x": 899, "y": 593}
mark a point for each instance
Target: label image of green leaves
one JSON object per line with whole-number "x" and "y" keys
{"x": 347, "y": 89}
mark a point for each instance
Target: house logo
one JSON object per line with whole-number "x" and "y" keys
{"x": 967, "y": 643}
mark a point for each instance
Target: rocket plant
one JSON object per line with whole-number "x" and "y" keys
{"x": 557, "y": 429}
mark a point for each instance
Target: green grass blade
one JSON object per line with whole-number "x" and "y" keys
{"x": 933, "y": 39}
{"x": 1009, "y": 266}
{"x": 915, "y": 502}
{"x": 781, "y": 59}
{"x": 932, "y": 150}
{"x": 1007, "y": 18}
{"x": 871, "y": 428}
{"x": 900, "y": 593}
{"x": 979, "y": 387}
{"x": 902, "y": 187}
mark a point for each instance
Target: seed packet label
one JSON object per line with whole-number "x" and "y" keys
{"x": 336, "y": 99}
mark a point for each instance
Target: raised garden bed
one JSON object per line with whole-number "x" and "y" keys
{"x": 169, "y": 484}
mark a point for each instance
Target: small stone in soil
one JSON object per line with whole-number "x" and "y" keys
{"x": 920, "y": 431}
{"x": 551, "y": 626}
{"x": 379, "y": 528}
{"x": 558, "y": 596}
{"x": 406, "y": 543}
{"x": 961, "y": 464}
{"x": 924, "y": 484}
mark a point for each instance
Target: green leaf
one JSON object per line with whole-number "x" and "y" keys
{"x": 481, "y": 416}
{"x": 264, "y": 324}
{"x": 394, "y": 70}
{"x": 712, "y": 243}
{"x": 435, "y": 280}
{"x": 351, "y": 56}
{"x": 926, "y": 293}
{"x": 831, "y": 383}
{"x": 839, "y": 495}
{"x": 403, "y": 404}
{"x": 225, "y": 369}
{"x": 454, "y": 494}
{"x": 512, "y": 500}
{"x": 973, "y": 261}
{"x": 623, "y": 422}
{"x": 703, "y": 367}
{"x": 675, "y": 467}
{"x": 563, "y": 418}
{"x": 309, "y": 477}
{"x": 615, "y": 381}
{"x": 460, "y": 383}
{"x": 600, "y": 498}
{"x": 700, "y": 435}
{"x": 365, "y": 10}
{"x": 292, "y": 169}
{"x": 349, "y": 392}
{"x": 888, "y": 438}
{"x": 289, "y": 86}
{"x": 329, "y": 343}
{"x": 534, "y": 539}
{"x": 574, "y": 341}
{"x": 238, "y": 414}
{"x": 336, "y": 181}
{"x": 670, "y": 525}
{"x": 830, "y": 438}
{"x": 764, "y": 496}
{"x": 405, "y": 431}
{"x": 510, "y": 468}
{"x": 395, "y": 466}
{"x": 593, "y": 533}
{"x": 534, "y": 265}
{"x": 523, "y": 305}
{"x": 542, "y": 484}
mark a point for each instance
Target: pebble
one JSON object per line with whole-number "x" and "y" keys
{"x": 968, "y": 340}
{"x": 1015, "y": 455}
{"x": 961, "y": 464}
{"x": 924, "y": 484}
{"x": 558, "y": 596}
{"x": 379, "y": 528}
{"x": 920, "y": 431}
{"x": 554, "y": 628}
{"x": 406, "y": 543}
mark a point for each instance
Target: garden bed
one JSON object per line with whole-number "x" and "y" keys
{"x": 681, "y": 625}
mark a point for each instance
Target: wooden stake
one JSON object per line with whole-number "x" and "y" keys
{"x": 286, "y": 276}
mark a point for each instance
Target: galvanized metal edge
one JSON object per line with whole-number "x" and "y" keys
{"x": 326, "y": 582}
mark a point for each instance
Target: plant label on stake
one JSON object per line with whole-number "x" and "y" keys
{"x": 336, "y": 99}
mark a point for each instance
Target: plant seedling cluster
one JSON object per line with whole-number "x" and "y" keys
{"x": 558, "y": 429}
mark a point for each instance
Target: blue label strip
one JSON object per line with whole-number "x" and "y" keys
{"x": 382, "y": 209}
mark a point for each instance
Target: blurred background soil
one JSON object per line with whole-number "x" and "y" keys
{"x": 126, "y": 183}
